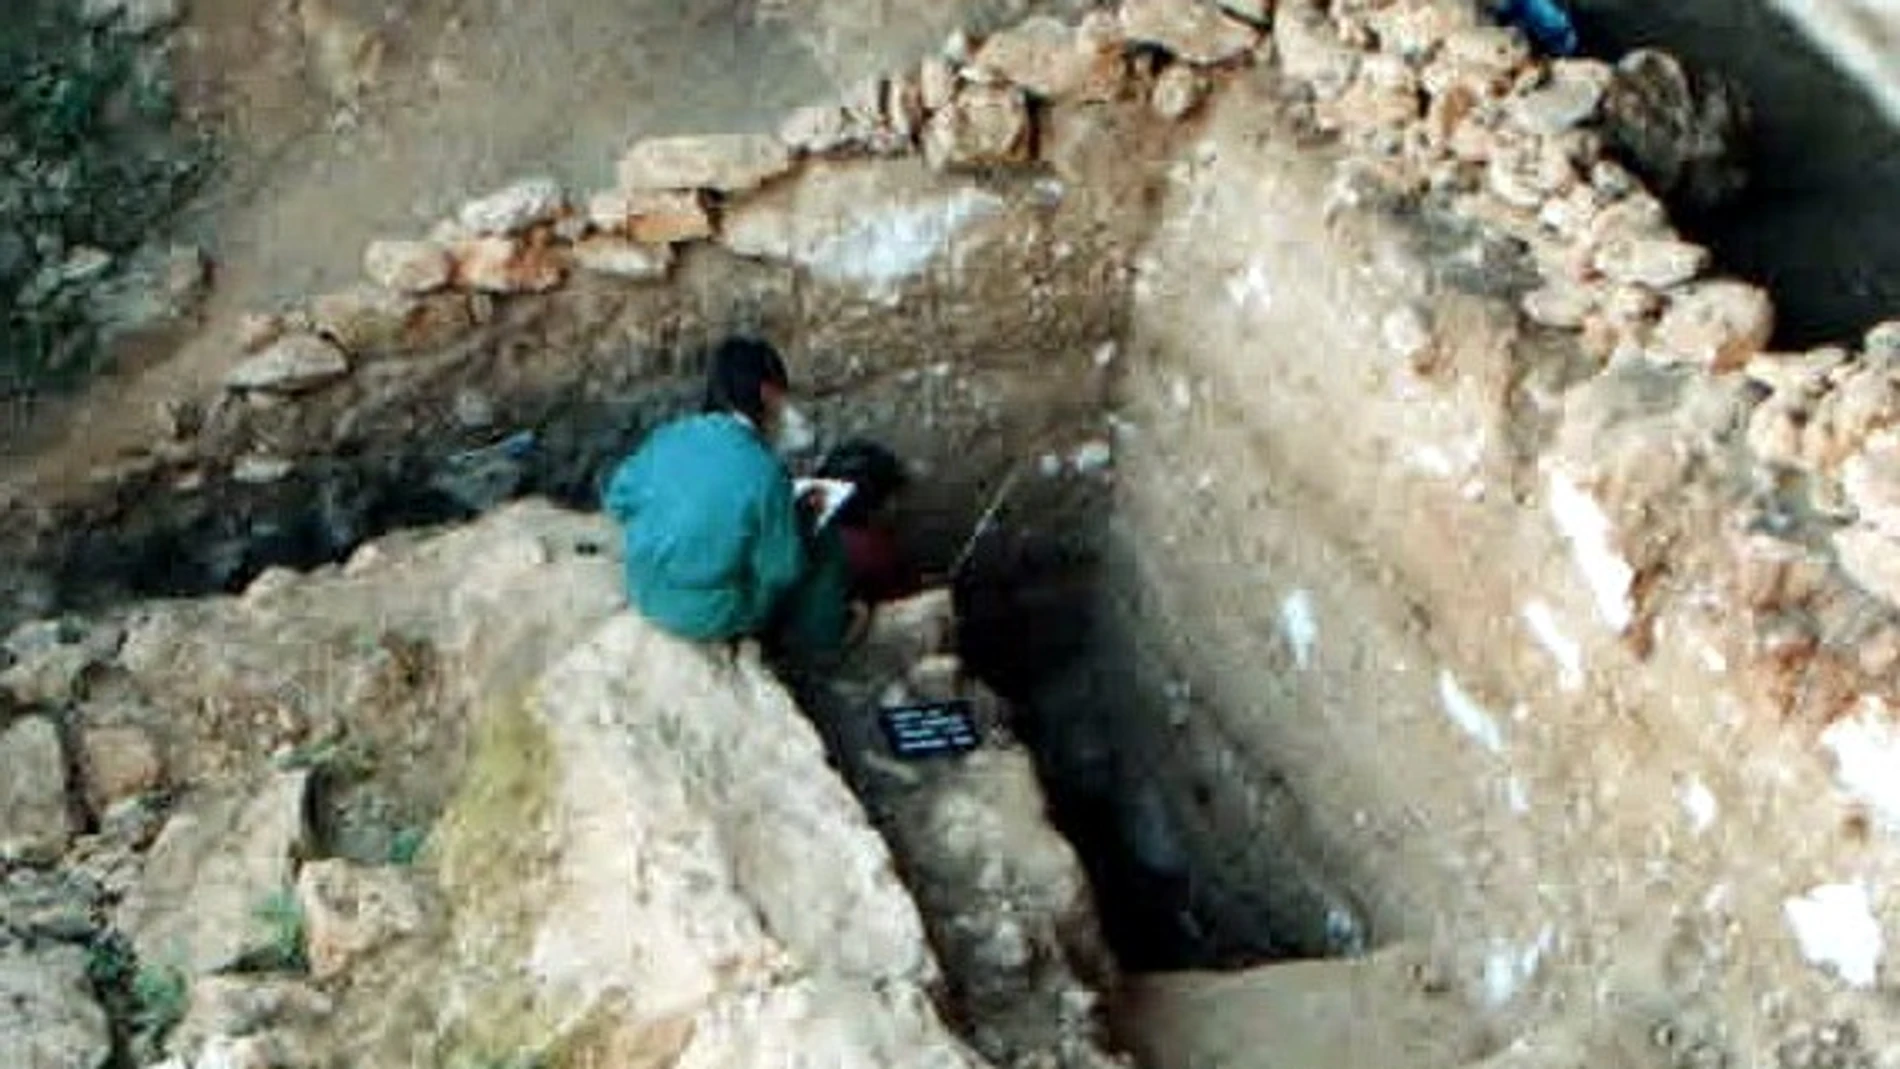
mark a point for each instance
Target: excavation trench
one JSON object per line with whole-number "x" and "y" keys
{"x": 1301, "y": 556}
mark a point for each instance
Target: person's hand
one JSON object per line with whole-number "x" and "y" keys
{"x": 860, "y": 625}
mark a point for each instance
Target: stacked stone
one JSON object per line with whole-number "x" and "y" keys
{"x": 1429, "y": 101}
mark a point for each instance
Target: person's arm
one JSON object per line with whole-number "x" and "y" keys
{"x": 778, "y": 550}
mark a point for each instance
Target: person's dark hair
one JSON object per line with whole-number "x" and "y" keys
{"x": 873, "y": 469}
{"x": 740, "y": 370}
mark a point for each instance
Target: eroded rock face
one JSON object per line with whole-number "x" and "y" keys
{"x": 222, "y": 858}
{"x": 352, "y": 910}
{"x": 48, "y": 1019}
{"x": 652, "y": 841}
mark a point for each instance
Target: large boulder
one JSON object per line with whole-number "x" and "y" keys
{"x": 221, "y": 861}
{"x": 48, "y": 1019}
{"x": 650, "y": 854}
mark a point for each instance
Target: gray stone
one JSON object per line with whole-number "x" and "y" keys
{"x": 36, "y": 823}
{"x": 1719, "y": 325}
{"x": 725, "y": 162}
{"x": 408, "y": 266}
{"x": 221, "y": 857}
{"x": 1052, "y": 60}
{"x": 1195, "y": 31}
{"x": 623, "y": 258}
{"x": 984, "y": 125}
{"x": 48, "y": 1019}
{"x": 354, "y": 910}
{"x": 514, "y": 209}
{"x": 292, "y": 364}
{"x": 1569, "y": 99}
{"x": 1656, "y": 262}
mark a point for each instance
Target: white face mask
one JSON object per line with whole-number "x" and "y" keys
{"x": 795, "y": 434}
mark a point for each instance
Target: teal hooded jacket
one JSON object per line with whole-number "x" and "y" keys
{"x": 713, "y": 539}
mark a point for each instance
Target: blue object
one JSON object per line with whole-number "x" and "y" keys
{"x": 1545, "y": 22}
{"x": 713, "y": 536}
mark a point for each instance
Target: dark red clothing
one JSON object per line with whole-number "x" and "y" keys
{"x": 876, "y": 561}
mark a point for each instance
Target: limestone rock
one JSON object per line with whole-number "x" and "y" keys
{"x": 652, "y": 218}
{"x": 1570, "y": 98}
{"x": 50, "y": 657}
{"x": 984, "y": 125}
{"x": 623, "y": 258}
{"x": 505, "y": 265}
{"x": 1871, "y": 479}
{"x": 868, "y": 228}
{"x": 1193, "y": 30}
{"x": 408, "y": 266}
{"x": 1883, "y": 341}
{"x": 1558, "y": 305}
{"x": 1718, "y": 325}
{"x": 725, "y": 162}
{"x": 1312, "y": 54}
{"x": 293, "y": 364}
{"x": 1872, "y": 560}
{"x": 1053, "y": 61}
{"x": 936, "y": 82}
{"x": 1413, "y": 30}
{"x": 35, "y": 822}
{"x": 352, "y": 910}
{"x": 246, "y": 1005}
{"x": 47, "y": 904}
{"x": 117, "y": 762}
{"x": 1383, "y": 93}
{"x": 651, "y": 840}
{"x": 48, "y": 1019}
{"x": 1177, "y": 92}
{"x": 221, "y": 857}
{"x": 817, "y": 130}
{"x": 512, "y": 210}
{"x": 370, "y": 321}
{"x": 1682, "y": 134}
{"x": 1655, "y": 262}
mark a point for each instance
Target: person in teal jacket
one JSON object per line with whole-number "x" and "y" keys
{"x": 714, "y": 537}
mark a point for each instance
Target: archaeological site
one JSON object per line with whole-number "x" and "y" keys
{"x": 1411, "y": 490}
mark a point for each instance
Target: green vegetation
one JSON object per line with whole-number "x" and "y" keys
{"x": 90, "y": 157}
{"x": 406, "y": 845}
{"x": 160, "y": 995}
{"x": 283, "y": 921}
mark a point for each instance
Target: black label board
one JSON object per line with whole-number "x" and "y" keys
{"x": 930, "y": 729}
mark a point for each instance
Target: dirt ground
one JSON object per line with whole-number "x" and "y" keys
{"x": 341, "y": 121}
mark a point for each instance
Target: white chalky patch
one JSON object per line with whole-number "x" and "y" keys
{"x": 1517, "y": 796}
{"x": 878, "y": 250}
{"x": 1837, "y": 930}
{"x": 1252, "y": 287}
{"x": 1508, "y": 968}
{"x": 1866, "y": 749}
{"x": 1474, "y": 719}
{"x": 1698, "y": 804}
{"x": 1300, "y": 624}
{"x": 1563, "y": 649}
{"x": 1588, "y": 530}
